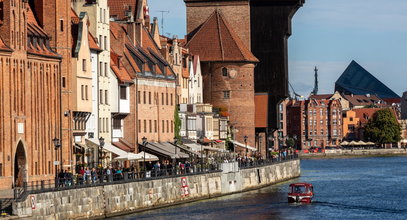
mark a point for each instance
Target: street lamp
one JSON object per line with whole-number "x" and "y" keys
{"x": 101, "y": 144}
{"x": 245, "y": 144}
{"x": 175, "y": 145}
{"x": 57, "y": 145}
{"x": 144, "y": 143}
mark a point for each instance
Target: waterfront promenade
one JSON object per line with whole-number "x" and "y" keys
{"x": 341, "y": 153}
{"x": 125, "y": 196}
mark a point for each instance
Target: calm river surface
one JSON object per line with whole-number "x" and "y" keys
{"x": 356, "y": 188}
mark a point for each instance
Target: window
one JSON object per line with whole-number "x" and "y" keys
{"x": 100, "y": 42}
{"x": 106, "y": 71}
{"x": 107, "y": 125}
{"x": 149, "y": 98}
{"x": 168, "y": 127}
{"x": 104, "y": 15}
{"x": 83, "y": 64}
{"x": 99, "y": 127}
{"x": 138, "y": 97}
{"x": 163, "y": 129}
{"x": 155, "y": 126}
{"x": 139, "y": 126}
{"x": 105, "y": 43}
{"x": 101, "y": 68}
{"x": 101, "y": 15}
{"x": 145, "y": 126}
{"x": 82, "y": 92}
{"x": 123, "y": 92}
{"x": 226, "y": 94}
{"x": 224, "y": 71}
{"x": 171, "y": 100}
{"x": 1, "y": 169}
{"x": 63, "y": 82}
{"x": 166, "y": 98}
{"x": 36, "y": 168}
{"x": 49, "y": 167}
{"x": 117, "y": 123}
{"x": 162, "y": 98}
{"x": 106, "y": 97}
{"x": 150, "y": 127}
{"x": 144, "y": 97}
{"x": 172, "y": 126}
{"x": 351, "y": 119}
{"x": 100, "y": 96}
{"x": 61, "y": 25}
{"x": 86, "y": 93}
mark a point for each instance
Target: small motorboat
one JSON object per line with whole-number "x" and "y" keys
{"x": 300, "y": 193}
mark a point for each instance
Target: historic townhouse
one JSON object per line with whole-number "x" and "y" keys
{"x": 315, "y": 122}
{"x": 98, "y": 12}
{"x": 30, "y": 73}
{"x": 153, "y": 94}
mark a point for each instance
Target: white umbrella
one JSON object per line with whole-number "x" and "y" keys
{"x": 128, "y": 156}
{"x": 345, "y": 143}
{"x": 149, "y": 157}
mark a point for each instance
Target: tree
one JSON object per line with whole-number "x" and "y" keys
{"x": 177, "y": 125}
{"x": 383, "y": 128}
{"x": 290, "y": 142}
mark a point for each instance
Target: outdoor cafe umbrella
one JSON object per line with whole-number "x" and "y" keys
{"x": 149, "y": 157}
{"x": 361, "y": 143}
{"x": 370, "y": 143}
{"x": 345, "y": 143}
{"x": 128, "y": 156}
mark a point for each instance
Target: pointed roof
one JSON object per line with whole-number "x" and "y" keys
{"x": 357, "y": 80}
{"x": 215, "y": 40}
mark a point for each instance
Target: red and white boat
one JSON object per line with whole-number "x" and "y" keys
{"x": 300, "y": 193}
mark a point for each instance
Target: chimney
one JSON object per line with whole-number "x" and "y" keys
{"x": 135, "y": 32}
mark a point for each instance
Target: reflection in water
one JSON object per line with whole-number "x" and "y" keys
{"x": 359, "y": 188}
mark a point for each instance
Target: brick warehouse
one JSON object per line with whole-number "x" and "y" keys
{"x": 30, "y": 96}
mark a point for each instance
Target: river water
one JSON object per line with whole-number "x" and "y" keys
{"x": 354, "y": 188}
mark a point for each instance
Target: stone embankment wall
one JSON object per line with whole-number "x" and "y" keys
{"x": 356, "y": 153}
{"x": 116, "y": 199}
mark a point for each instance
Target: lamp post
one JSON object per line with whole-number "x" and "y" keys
{"x": 175, "y": 145}
{"x": 245, "y": 144}
{"x": 144, "y": 143}
{"x": 202, "y": 139}
{"x": 101, "y": 144}
{"x": 57, "y": 145}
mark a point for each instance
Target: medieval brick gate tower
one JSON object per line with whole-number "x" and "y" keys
{"x": 243, "y": 49}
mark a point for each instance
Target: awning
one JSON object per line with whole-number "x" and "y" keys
{"x": 122, "y": 146}
{"x": 166, "y": 150}
{"x": 195, "y": 147}
{"x": 108, "y": 147}
{"x": 79, "y": 146}
{"x": 187, "y": 149}
{"x": 149, "y": 157}
{"x": 213, "y": 149}
{"x": 244, "y": 146}
{"x": 128, "y": 156}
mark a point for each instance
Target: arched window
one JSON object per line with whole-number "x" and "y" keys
{"x": 224, "y": 71}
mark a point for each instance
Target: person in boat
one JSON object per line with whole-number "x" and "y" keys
{"x": 297, "y": 189}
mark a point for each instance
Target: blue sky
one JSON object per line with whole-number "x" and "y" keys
{"x": 330, "y": 34}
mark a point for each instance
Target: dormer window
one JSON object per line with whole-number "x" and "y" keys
{"x": 225, "y": 71}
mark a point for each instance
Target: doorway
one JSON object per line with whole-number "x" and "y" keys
{"x": 20, "y": 171}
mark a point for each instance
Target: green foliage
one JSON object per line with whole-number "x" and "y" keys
{"x": 383, "y": 128}
{"x": 177, "y": 125}
{"x": 290, "y": 142}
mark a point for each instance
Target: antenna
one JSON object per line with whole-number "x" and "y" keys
{"x": 162, "y": 20}
{"x": 315, "y": 90}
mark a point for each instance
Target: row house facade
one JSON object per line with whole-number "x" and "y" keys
{"x": 30, "y": 88}
{"x": 315, "y": 123}
{"x": 404, "y": 106}
{"x": 153, "y": 91}
{"x": 100, "y": 122}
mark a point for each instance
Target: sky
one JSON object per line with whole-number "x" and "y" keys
{"x": 330, "y": 34}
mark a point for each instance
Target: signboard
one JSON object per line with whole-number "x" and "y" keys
{"x": 56, "y": 162}
{"x": 184, "y": 187}
{"x": 33, "y": 200}
{"x": 20, "y": 128}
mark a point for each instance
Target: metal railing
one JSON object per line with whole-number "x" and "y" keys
{"x": 250, "y": 163}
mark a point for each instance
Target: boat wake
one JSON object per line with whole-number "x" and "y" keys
{"x": 359, "y": 207}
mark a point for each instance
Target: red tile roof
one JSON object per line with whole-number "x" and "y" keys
{"x": 321, "y": 96}
{"x": 117, "y": 66}
{"x": 364, "y": 114}
{"x": 215, "y": 40}
{"x": 118, "y": 8}
{"x": 261, "y": 111}
{"x": 92, "y": 43}
{"x": 4, "y": 47}
{"x": 362, "y": 100}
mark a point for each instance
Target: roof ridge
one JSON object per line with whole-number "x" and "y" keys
{"x": 220, "y": 34}
{"x": 236, "y": 38}
{"x": 200, "y": 28}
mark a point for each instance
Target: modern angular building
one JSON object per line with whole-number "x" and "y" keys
{"x": 358, "y": 81}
